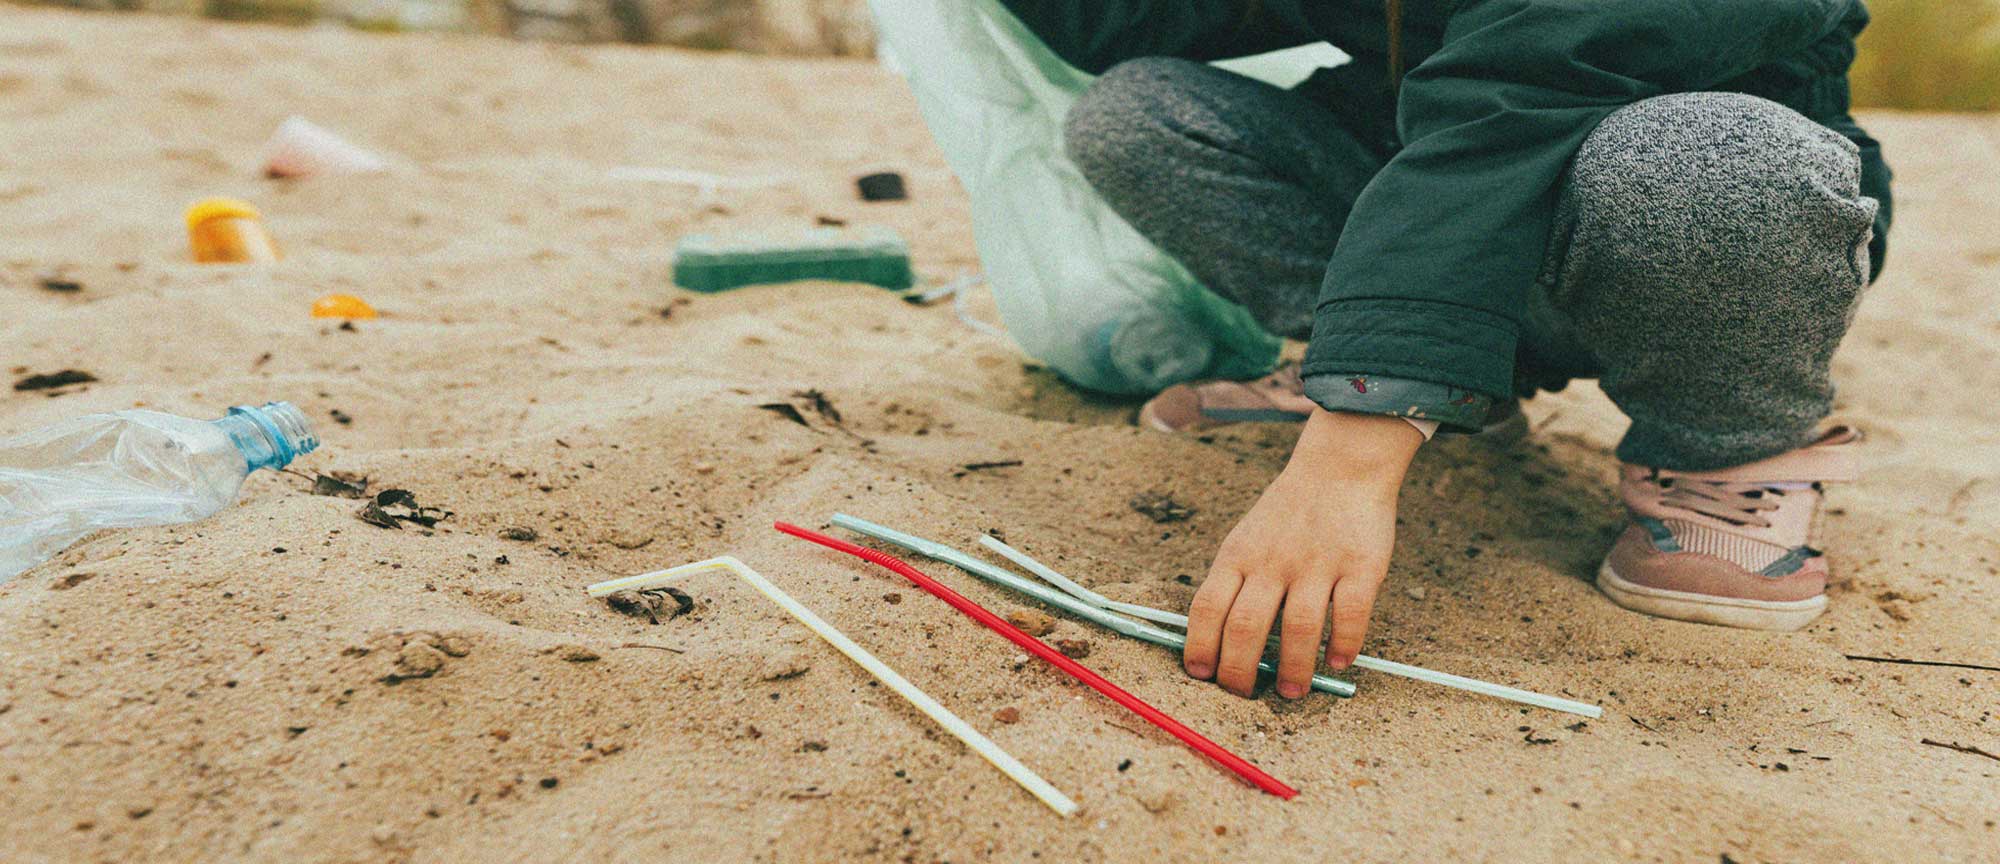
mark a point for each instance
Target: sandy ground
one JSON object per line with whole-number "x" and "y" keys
{"x": 230, "y": 690}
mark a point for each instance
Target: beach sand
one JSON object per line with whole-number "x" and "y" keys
{"x": 285, "y": 682}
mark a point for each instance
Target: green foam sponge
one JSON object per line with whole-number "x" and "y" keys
{"x": 877, "y": 256}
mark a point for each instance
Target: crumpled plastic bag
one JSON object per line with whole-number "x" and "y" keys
{"x": 1078, "y": 288}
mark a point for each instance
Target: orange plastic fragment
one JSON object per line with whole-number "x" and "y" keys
{"x": 228, "y": 231}
{"x": 345, "y": 306}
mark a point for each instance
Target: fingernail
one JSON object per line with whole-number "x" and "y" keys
{"x": 1290, "y": 690}
{"x": 1341, "y": 662}
{"x": 1199, "y": 671}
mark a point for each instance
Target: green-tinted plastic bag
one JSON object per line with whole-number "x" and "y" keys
{"x": 1078, "y": 288}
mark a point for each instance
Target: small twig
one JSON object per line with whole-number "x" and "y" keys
{"x": 1641, "y": 724}
{"x": 654, "y": 647}
{"x": 984, "y": 466}
{"x": 1940, "y": 815}
{"x": 1961, "y": 496}
{"x": 1866, "y": 658}
{"x": 1962, "y": 748}
{"x": 1125, "y": 727}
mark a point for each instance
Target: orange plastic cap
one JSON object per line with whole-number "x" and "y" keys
{"x": 219, "y": 208}
{"x": 345, "y": 306}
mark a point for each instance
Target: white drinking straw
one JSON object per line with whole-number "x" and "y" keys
{"x": 980, "y": 744}
{"x": 1078, "y": 591}
{"x": 1363, "y": 661}
{"x": 1001, "y": 576}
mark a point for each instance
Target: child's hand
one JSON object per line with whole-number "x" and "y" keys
{"x": 1323, "y": 529}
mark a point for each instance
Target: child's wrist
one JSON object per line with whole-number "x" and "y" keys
{"x": 1352, "y": 446}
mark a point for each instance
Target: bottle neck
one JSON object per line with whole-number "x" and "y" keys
{"x": 270, "y": 436}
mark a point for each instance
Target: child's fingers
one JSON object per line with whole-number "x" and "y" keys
{"x": 1353, "y": 603}
{"x": 1245, "y": 630}
{"x": 1205, "y": 614}
{"x": 1298, "y": 643}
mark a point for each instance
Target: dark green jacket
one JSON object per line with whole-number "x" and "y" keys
{"x": 1431, "y": 276}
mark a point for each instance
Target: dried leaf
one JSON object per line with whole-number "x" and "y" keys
{"x": 52, "y": 380}
{"x": 651, "y": 603}
{"x": 373, "y": 514}
{"x": 1160, "y": 507}
{"x": 970, "y": 467}
{"x": 819, "y": 403}
{"x": 340, "y": 485}
{"x": 71, "y": 581}
{"x": 392, "y": 507}
{"x": 782, "y": 409}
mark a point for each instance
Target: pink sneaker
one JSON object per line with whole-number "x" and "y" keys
{"x": 1279, "y": 397}
{"x": 1728, "y": 547}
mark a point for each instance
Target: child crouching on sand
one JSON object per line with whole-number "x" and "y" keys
{"x": 1670, "y": 197}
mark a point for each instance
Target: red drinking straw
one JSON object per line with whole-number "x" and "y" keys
{"x": 1041, "y": 649}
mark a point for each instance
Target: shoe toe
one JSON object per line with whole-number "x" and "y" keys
{"x": 1176, "y": 409}
{"x": 1637, "y": 561}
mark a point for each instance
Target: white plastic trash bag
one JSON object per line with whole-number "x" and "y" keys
{"x": 1078, "y": 288}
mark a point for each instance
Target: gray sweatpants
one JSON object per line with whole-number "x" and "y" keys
{"x": 1708, "y": 253}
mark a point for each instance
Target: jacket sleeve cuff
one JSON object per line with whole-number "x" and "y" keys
{"x": 1447, "y": 343}
{"x": 1448, "y": 406}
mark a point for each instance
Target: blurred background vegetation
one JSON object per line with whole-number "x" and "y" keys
{"x": 1932, "y": 55}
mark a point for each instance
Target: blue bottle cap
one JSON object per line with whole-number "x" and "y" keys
{"x": 271, "y": 435}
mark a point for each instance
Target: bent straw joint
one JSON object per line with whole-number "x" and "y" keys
{"x": 980, "y": 744}
{"x": 1445, "y": 679}
{"x": 1056, "y": 658}
{"x": 1078, "y": 591}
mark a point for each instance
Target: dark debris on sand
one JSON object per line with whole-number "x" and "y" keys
{"x": 653, "y": 604}
{"x": 392, "y": 507}
{"x": 802, "y": 401}
{"x": 53, "y": 380}
{"x": 1161, "y": 507}
{"x": 340, "y": 484}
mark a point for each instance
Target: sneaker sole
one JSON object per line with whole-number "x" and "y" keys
{"x": 1775, "y": 615}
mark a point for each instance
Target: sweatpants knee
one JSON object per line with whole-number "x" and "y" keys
{"x": 1725, "y": 182}
{"x": 1126, "y": 114}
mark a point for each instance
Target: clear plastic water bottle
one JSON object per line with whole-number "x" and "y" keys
{"x": 130, "y": 469}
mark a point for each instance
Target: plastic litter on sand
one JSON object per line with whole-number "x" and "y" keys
{"x": 1001, "y": 576}
{"x": 874, "y": 256}
{"x": 345, "y": 306}
{"x": 1390, "y": 667}
{"x": 229, "y": 231}
{"x": 1256, "y": 776}
{"x": 1022, "y": 774}
{"x": 301, "y": 148}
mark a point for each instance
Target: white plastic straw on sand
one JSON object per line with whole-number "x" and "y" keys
{"x": 1001, "y": 576}
{"x": 1487, "y": 688}
{"x": 1100, "y": 601}
{"x": 980, "y": 744}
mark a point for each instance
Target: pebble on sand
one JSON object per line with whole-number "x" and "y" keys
{"x": 1032, "y": 622}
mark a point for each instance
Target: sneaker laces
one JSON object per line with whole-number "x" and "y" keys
{"x": 1737, "y": 503}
